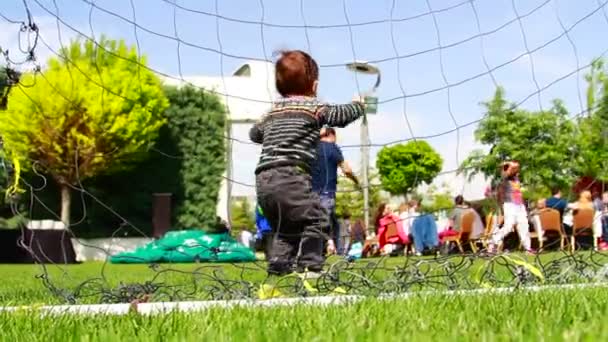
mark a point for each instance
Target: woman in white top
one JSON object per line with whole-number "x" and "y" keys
{"x": 404, "y": 214}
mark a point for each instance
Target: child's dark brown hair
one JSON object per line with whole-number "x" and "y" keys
{"x": 296, "y": 73}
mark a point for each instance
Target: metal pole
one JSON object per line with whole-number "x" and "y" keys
{"x": 228, "y": 179}
{"x": 365, "y": 170}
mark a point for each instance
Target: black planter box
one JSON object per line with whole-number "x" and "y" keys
{"x": 41, "y": 246}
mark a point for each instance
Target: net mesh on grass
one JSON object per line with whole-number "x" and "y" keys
{"x": 401, "y": 39}
{"x": 377, "y": 277}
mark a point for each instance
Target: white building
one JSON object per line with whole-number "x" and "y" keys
{"x": 247, "y": 94}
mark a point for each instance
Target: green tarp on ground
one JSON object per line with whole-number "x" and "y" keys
{"x": 188, "y": 246}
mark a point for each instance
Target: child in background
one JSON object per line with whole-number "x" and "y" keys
{"x": 510, "y": 197}
{"x": 264, "y": 232}
{"x": 289, "y": 135}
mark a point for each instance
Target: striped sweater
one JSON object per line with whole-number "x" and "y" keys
{"x": 289, "y": 133}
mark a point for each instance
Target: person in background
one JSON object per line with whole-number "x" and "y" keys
{"x": 424, "y": 230}
{"x": 585, "y": 201}
{"x": 604, "y": 241}
{"x": 325, "y": 181}
{"x": 540, "y": 205}
{"x": 358, "y": 233}
{"x": 384, "y": 218}
{"x": 597, "y": 201}
{"x": 455, "y": 218}
{"x": 220, "y": 226}
{"x": 510, "y": 197}
{"x": 263, "y": 233}
{"x": 556, "y": 202}
{"x": 358, "y": 236}
{"x": 345, "y": 230}
{"x": 246, "y": 237}
{"x": 404, "y": 215}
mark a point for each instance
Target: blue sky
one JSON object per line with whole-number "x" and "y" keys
{"x": 405, "y": 48}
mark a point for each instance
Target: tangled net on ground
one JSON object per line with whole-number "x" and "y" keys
{"x": 368, "y": 277}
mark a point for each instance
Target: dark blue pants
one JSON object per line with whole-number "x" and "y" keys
{"x": 605, "y": 228}
{"x": 328, "y": 202}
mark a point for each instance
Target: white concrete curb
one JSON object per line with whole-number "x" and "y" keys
{"x": 193, "y": 306}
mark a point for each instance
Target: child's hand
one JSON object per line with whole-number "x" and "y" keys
{"x": 331, "y": 248}
{"x": 359, "y": 99}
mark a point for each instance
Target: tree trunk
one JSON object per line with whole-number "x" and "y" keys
{"x": 66, "y": 200}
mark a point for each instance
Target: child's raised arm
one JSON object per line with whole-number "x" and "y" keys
{"x": 341, "y": 115}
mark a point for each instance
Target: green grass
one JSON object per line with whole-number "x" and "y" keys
{"x": 572, "y": 315}
{"x": 22, "y": 287}
{"x": 548, "y": 315}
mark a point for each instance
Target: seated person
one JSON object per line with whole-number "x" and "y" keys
{"x": 535, "y": 217}
{"x": 455, "y": 218}
{"x": 424, "y": 230}
{"x": 556, "y": 202}
{"x": 358, "y": 233}
{"x": 604, "y": 239}
{"x": 585, "y": 201}
{"x": 597, "y": 201}
{"x": 384, "y": 218}
{"x": 404, "y": 215}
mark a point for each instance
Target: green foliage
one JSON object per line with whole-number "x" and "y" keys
{"x": 8, "y": 77}
{"x": 187, "y": 160}
{"x": 541, "y": 141}
{"x": 242, "y": 216}
{"x": 349, "y": 199}
{"x": 3, "y": 87}
{"x": 7, "y": 218}
{"x": 198, "y": 120}
{"x": 91, "y": 112}
{"x": 592, "y": 156}
{"x": 436, "y": 199}
{"x": 405, "y": 166}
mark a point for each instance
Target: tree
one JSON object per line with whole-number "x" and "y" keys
{"x": 197, "y": 120}
{"x": 592, "y": 143}
{"x": 436, "y": 199}
{"x": 8, "y": 78}
{"x": 349, "y": 199}
{"x": 242, "y": 216}
{"x": 4, "y": 81}
{"x": 405, "y": 166}
{"x": 92, "y": 111}
{"x": 8, "y": 219}
{"x": 541, "y": 141}
{"x": 187, "y": 160}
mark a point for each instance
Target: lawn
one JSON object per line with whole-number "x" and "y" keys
{"x": 100, "y": 282}
{"x": 572, "y": 315}
{"x": 550, "y": 315}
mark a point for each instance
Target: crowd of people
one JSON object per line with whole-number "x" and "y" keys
{"x": 296, "y": 185}
{"x": 419, "y": 234}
